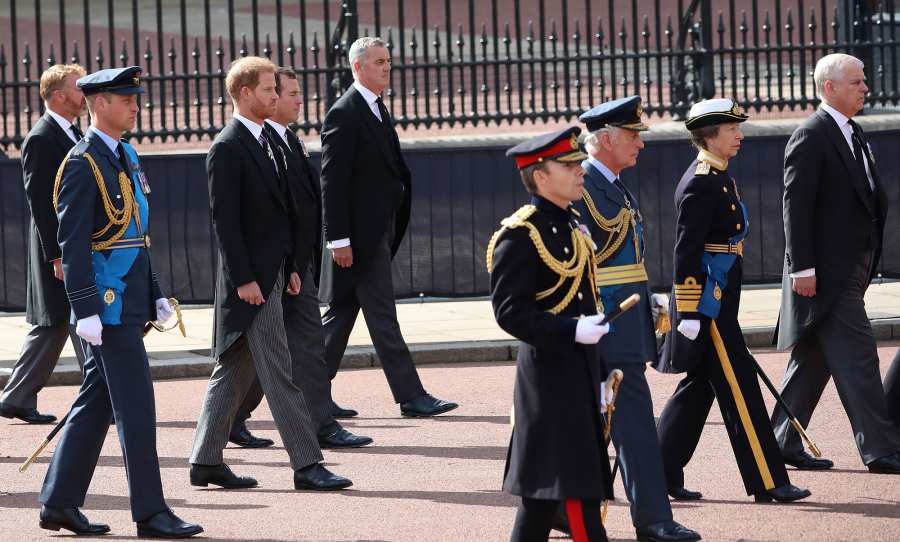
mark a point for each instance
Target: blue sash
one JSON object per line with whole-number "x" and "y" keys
{"x": 717, "y": 267}
{"x": 109, "y": 270}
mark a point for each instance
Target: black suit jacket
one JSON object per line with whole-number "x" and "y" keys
{"x": 307, "y": 201}
{"x": 253, "y": 223}
{"x": 362, "y": 175}
{"x": 830, "y": 221}
{"x": 43, "y": 151}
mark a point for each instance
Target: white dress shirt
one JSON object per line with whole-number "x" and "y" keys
{"x": 110, "y": 141}
{"x": 63, "y": 123}
{"x": 255, "y": 129}
{"x": 281, "y": 130}
{"x": 843, "y": 123}
{"x": 601, "y": 167}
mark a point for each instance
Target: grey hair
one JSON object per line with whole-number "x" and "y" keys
{"x": 831, "y": 68}
{"x": 592, "y": 140}
{"x": 360, "y": 46}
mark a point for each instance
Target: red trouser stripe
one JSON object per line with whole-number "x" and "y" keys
{"x": 576, "y": 520}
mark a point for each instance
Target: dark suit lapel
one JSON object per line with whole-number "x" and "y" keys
{"x": 304, "y": 169}
{"x": 600, "y": 184}
{"x": 374, "y": 126}
{"x": 267, "y": 169}
{"x": 837, "y": 139}
{"x": 65, "y": 142}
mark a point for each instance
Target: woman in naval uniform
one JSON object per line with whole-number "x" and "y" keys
{"x": 706, "y": 341}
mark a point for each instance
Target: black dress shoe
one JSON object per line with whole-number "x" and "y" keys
{"x": 886, "y": 465}
{"x": 804, "y": 461}
{"x": 166, "y": 524}
{"x": 70, "y": 519}
{"x": 27, "y": 415}
{"x": 341, "y": 412}
{"x": 666, "y": 531}
{"x": 785, "y": 493}
{"x": 219, "y": 475}
{"x": 242, "y": 437}
{"x": 425, "y": 405}
{"x": 319, "y": 478}
{"x": 341, "y": 438}
{"x": 682, "y": 494}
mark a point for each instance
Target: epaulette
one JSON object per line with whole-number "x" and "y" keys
{"x": 80, "y": 148}
{"x": 703, "y": 168}
{"x": 514, "y": 220}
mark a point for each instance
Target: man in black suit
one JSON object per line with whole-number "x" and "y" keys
{"x": 302, "y": 321}
{"x": 366, "y": 195}
{"x": 892, "y": 389}
{"x": 47, "y": 308}
{"x": 254, "y": 217}
{"x": 834, "y": 214}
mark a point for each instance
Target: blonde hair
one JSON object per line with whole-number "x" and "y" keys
{"x": 245, "y": 72}
{"x": 54, "y": 78}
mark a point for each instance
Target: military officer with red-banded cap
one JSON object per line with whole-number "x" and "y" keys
{"x": 542, "y": 290}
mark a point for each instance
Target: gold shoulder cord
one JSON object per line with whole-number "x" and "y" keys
{"x": 566, "y": 269}
{"x": 617, "y": 227}
{"x": 117, "y": 217}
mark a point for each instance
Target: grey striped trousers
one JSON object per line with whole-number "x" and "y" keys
{"x": 264, "y": 348}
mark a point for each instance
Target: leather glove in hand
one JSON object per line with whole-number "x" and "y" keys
{"x": 689, "y": 328}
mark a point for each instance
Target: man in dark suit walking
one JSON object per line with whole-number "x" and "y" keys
{"x": 254, "y": 217}
{"x": 302, "y": 321}
{"x": 366, "y": 195}
{"x": 834, "y": 214}
{"x": 47, "y": 308}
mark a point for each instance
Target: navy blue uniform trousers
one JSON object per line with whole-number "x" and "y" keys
{"x": 116, "y": 382}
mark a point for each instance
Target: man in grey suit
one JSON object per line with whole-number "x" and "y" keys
{"x": 254, "y": 216}
{"x": 612, "y": 214}
{"x": 47, "y": 307}
{"x": 834, "y": 213}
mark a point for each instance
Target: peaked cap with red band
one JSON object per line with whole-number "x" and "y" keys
{"x": 559, "y": 146}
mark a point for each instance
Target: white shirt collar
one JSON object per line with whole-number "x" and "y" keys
{"x": 601, "y": 167}
{"x": 367, "y": 94}
{"x": 110, "y": 141}
{"x": 282, "y": 130}
{"x": 838, "y": 117}
{"x": 255, "y": 129}
{"x": 63, "y": 123}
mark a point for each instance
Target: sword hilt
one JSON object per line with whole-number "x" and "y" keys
{"x": 809, "y": 443}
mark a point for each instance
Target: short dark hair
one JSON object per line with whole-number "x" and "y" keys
{"x": 283, "y": 72}
{"x": 700, "y": 135}
{"x": 527, "y": 175}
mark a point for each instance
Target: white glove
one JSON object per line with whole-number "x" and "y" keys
{"x": 659, "y": 300}
{"x": 164, "y": 311}
{"x": 90, "y": 329}
{"x": 589, "y": 331}
{"x": 604, "y": 399}
{"x": 689, "y": 328}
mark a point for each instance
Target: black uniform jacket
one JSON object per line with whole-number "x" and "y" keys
{"x": 254, "y": 225}
{"x": 707, "y": 210}
{"x": 831, "y": 220}
{"x": 42, "y": 153}
{"x": 557, "y": 449}
{"x": 307, "y": 197}
{"x": 81, "y": 212}
{"x": 365, "y": 182}
{"x": 632, "y": 338}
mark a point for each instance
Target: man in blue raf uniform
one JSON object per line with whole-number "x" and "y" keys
{"x": 542, "y": 286}
{"x": 613, "y": 216}
{"x": 100, "y": 196}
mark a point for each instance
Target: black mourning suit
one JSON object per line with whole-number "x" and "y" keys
{"x": 833, "y": 222}
{"x": 47, "y": 307}
{"x": 366, "y": 198}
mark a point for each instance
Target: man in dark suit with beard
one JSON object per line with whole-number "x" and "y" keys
{"x": 254, "y": 218}
{"x": 366, "y": 197}
{"x": 302, "y": 321}
{"x": 834, "y": 214}
{"x": 47, "y": 307}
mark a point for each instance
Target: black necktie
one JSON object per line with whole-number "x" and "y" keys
{"x": 77, "y": 131}
{"x": 123, "y": 159}
{"x": 859, "y": 152}
{"x": 382, "y": 110}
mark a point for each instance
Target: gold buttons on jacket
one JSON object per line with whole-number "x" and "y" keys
{"x": 580, "y": 296}
{"x": 553, "y": 229}
{"x": 566, "y": 250}
{"x": 733, "y": 207}
{"x": 724, "y": 189}
{"x": 737, "y": 226}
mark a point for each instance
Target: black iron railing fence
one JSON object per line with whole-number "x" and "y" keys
{"x": 456, "y": 62}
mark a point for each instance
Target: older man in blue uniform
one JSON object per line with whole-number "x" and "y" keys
{"x": 613, "y": 216}
{"x": 100, "y": 195}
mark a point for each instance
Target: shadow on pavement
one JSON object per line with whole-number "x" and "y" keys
{"x": 454, "y": 452}
{"x": 875, "y": 509}
{"x": 95, "y": 502}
